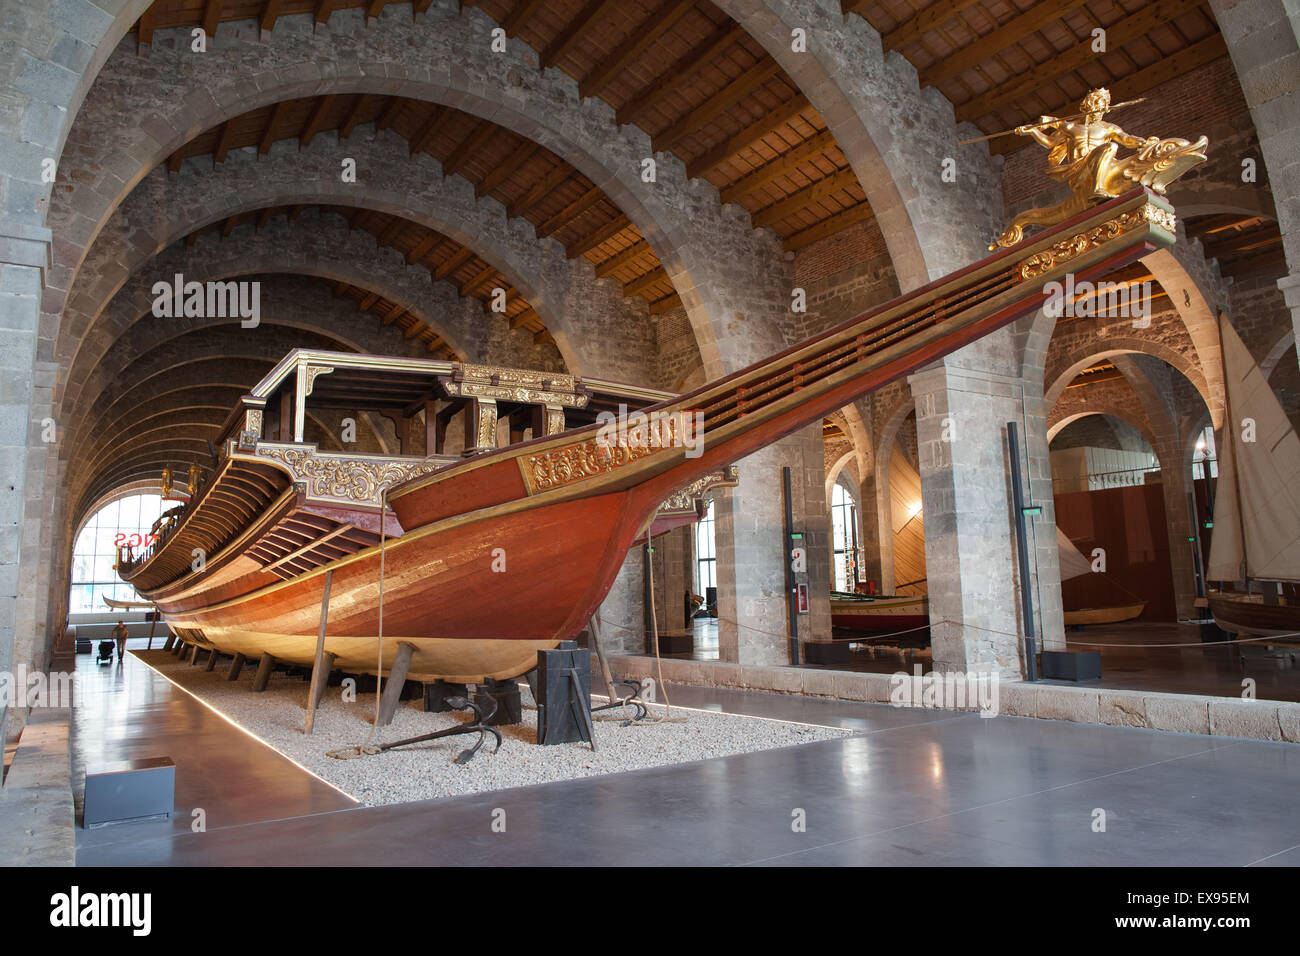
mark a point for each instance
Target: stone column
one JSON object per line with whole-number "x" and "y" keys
{"x": 970, "y": 545}
{"x": 869, "y": 529}
{"x": 1263, "y": 38}
{"x": 24, "y": 259}
{"x": 752, "y": 612}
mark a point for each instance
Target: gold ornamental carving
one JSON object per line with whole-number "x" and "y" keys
{"x": 1062, "y": 252}
{"x": 682, "y": 501}
{"x": 578, "y": 462}
{"x": 1083, "y": 153}
{"x": 344, "y": 479}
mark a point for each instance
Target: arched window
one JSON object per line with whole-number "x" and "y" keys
{"x": 125, "y": 521}
{"x": 844, "y": 537}
{"x": 1204, "y": 456}
{"x": 706, "y": 556}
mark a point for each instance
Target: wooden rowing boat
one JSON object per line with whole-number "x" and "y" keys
{"x": 489, "y": 558}
{"x": 859, "y": 612}
{"x": 1081, "y": 617}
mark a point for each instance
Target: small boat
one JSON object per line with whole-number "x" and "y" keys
{"x": 475, "y": 562}
{"x": 863, "y": 612}
{"x": 1255, "y": 540}
{"x": 126, "y": 605}
{"x": 1075, "y": 565}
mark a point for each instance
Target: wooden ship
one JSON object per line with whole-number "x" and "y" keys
{"x": 489, "y": 557}
{"x": 1255, "y": 540}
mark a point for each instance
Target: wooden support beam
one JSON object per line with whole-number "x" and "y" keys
{"x": 194, "y": 655}
{"x": 415, "y": 329}
{"x": 1240, "y": 242}
{"x": 270, "y": 13}
{"x": 522, "y": 154}
{"x": 223, "y": 142}
{"x": 680, "y": 73}
{"x": 543, "y": 337}
{"x": 570, "y": 212}
{"x": 324, "y": 10}
{"x": 747, "y": 137}
{"x": 211, "y": 17}
{"x": 354, "y": 115}
{"x": 842, "y": 179}
{"x": 1013, "y": 31}
{"x": 264, "y": 669}
{"x": 717, "y": 104}
{"x": 144, "y": 29}
{"x": 373, "y": 9}
{"x": 393, "y": 687}
{"x": 236, "y": 665}
{"x": 783, "y": 164}
{"x": 646, "y": 33}
{"x": 170, "y": 642}
{"x": 470, "y": 146}
{"x": 516, "y": 17}
{"x": 174, "y": 162}
{"x": 436, "y": 344}
{"x": 487, "y": 272}
{"x": 389, "y": 115}
{"x": 576, "y": 29}
{"x": 660, "y": 306}
{"x": 264, "y": 217}
{"x": 620, "y": 259}
{"x": 228, "y": 226}
{"x": 920, "y": 23}
{"x": 521, "y": 319}
{"x": 212, "y": 661}
{"x": 829, "y": 226}
{"x": 395, "y": 313}
{"x": 453, "y": 262}
{"x": 272, "y": 124}
{"x": 422, "y": 248}
{"x": 424, "y": 134}
{"x": 1064, "y": 62}
{"x": 603, "y": 234}
{"x": 363, "y": 305}
{"x": 643, "y": 282}
{"x": 323, "y": 663}
{"x": 317, "y": 121}
{"x": 541, "y": 189}
{"x": 388, "y": 235}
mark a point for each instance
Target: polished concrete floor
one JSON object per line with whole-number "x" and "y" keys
{"x": 910, "y": 788}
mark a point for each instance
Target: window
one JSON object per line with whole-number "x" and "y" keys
{"x": 1204, "y": 456}
{"x": 125, "y": 521}
{"x": 706, "y": 556}
{"x": 844, "y": 537}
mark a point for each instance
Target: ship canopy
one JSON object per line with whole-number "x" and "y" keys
{"x": 1257, "y": 500}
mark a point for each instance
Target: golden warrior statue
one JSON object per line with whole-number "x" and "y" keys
{"x": 1082, "y": 152}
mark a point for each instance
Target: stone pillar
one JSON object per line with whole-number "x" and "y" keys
{"x": 884, "y": 520}
{"x": 622, "y": 614}
{"x": 970, "y": 545}
{"x": 1263, "y": 38}
{"x": 752, "y": 613}
{"x": 24, "y": 259}
{"x": 1178, "y": 523}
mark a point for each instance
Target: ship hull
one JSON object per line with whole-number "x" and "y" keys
{"x": 1103, "y": 615}
{"x": 882, "y": 614}
{"x": 1237, "y": 615}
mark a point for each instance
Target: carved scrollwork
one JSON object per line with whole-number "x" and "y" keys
{"x": 1061, "y": 252}
{"x": 344, "y": 479}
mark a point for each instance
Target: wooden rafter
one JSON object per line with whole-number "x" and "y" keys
{"x": 144, "y": 31}
{"x": 1013, "y": 31}
{"x": 606, "y": 232}
{"x": 272, "y": 124}
{"x": 841, "y": 179}
{"x": 424, "y": 134}
{"x": 316, "y": 122}
{"x": 680, "y": 73}
{"x": 389, "y": 115}
{"x": 211, "y": 16}
{"x": 324, "y": 10}
{"x": 223, "y": 142}
{"x": 525, "y": 151}
{"x": 270, "y": 13}
{"x": 570, "y": 212}
{"x": 641, "y": 283}
{"x": 516, "y": 17}
{"x": 763, "y": 126}
{"x": 541, "y": 189}
{"x": 453, "y": 263}
{"x": 422, "y": 248}
{"x": 646, "y": 33}
{"x": 781, "y": 166}
{"x": 470, "y": 287}
{"x": 829, "y": 226}
{"x": 717, "y": 104}
{"x": 922, "y": 22}
{"x": 620, "y": 259}
{"x": 469, "y": 147}
{"x": 354, "y": 115}
{"x": 578, "y": 27}
{"x": 374, "y": 8}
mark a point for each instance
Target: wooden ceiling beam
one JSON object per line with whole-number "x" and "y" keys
{"x": 504, "y": 170}
{"x": 228, "y": 226}
{"x": 211, "y": 16}
{"x": 369, "y": 299}
{"x": 641, "y": 283}
{"x": 223, "y": 142}
{"x": 516, "y": 17}
{"x": 1063, "y": 63}
{"x": 1242, "y": 242}
{"x": 717, "y": 104}
{"x": 606, "y": 232}
{"x": 747, "y": 137}
{"x": 920, "y": 23}
{"x": 425, "y": 133}
{"x": 841, "y": 179}
{"x": 436, "y": 344}
{"x": 389, "y": 115}
{"x": 395, "y": 313}
{"x": 680, "y": 73}
{"x": 174, "y": 162}
{"x": 660, "y": 306}
{"x": 487, "y": 272}
{"x": 468, "y": 147}
{"x": 316, "y": 121}
{"x": 552, "y": 181}
{"x": 575, "y": 30}
{"x": 413, "y": 329}
{"x": 520, "y": 319}
{"x": 1135, "y": 84}
{"x": 264, "y": 217}
{"x": 422, "y": 248}
{"x": 570, "y": 212}
{"x": 828, "y": 226}
{"x": 646, "y": 33}
{"x": 324, "y": 10}
{"x": 270, "y": 13}
{"x": 782, "y": 165}
{"x": 1008, "y": 34}
{"x": 353, "y": 119}
{"x": 374, "y": 8}
{"x": 620, "y": 259}
{"x": 389, "y": 234}
{"x": 453, "y": 263}
{"x": 272, "y": 124}
{"x": 144, "y": 29}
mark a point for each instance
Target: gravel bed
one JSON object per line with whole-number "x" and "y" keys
{"x": 427, "y": 770}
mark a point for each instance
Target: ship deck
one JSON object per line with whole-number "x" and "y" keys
{"x": 904, "y": 790}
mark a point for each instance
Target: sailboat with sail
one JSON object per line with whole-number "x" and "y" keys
{"x": 1255, "y": 540}
{"x": 1075, "y": 565}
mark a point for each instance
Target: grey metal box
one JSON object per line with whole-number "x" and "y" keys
{"x": 127, "y": 790}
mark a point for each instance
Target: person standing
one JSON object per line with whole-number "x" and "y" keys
{"x": 120, "y": 634}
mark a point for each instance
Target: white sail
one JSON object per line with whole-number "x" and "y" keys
{"x": 1073, "y": 563}
{"x": 1257, "y": 504}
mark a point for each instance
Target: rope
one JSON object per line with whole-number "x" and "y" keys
{"x": 666, "y": 717}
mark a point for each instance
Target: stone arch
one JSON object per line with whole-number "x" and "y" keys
{"x": 1275, "y": 354}
{"x": 833, "y": 473}
{"x": 1059, "y": 424}
{"x": 445, "y": 59}
{"x": 1072, "y": 364}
